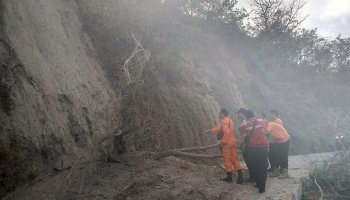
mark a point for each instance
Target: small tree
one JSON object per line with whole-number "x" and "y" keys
{"x": 275, "y": 24}
{"x": 275, "y": 17}
{"x": 341, "y": 54}
{"x": 312, "y": 51}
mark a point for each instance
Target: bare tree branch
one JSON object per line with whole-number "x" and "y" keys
{"x": 319, "y": 187}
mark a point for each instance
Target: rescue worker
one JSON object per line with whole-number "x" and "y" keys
{"x": 280, "y": 140}
{"x": 229, "y": 146}
{"x": 263, "y": 118}
{"x": 243, "y": 133}
{"x": 276, "y": 117}
{"x": 273, "y": 149}
{"x": 257, "y": 144}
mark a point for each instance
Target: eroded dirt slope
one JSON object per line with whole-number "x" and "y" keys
{"x": 54, "y": 94}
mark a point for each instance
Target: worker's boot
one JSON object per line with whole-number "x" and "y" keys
{"x": 228, "y": 178}
{"x": 284, "y": 174}
{"x": 240, "y": 177}
{"x": 275, "y": 172}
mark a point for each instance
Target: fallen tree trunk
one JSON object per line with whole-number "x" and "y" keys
{"x": 198, "y": 148}
{"x": 185, "y": 154}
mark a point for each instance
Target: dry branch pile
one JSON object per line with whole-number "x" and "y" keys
{"x": 331, "y": 180}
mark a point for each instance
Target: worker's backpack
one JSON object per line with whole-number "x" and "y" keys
{"x": 247, "y": 138}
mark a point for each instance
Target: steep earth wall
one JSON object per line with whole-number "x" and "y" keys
{"x": 190, "y": 75}
{"x": 54, "y": 97}
{"x": 56, "y": 82}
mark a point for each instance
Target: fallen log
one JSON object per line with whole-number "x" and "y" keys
{"x": 198, "y": 148}
{"x": 185, "y": 154}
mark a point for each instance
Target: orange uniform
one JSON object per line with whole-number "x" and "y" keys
{"x": 229, "y": 144}
{"x": 278, "y": 121}
{"x": 278, "y": 133}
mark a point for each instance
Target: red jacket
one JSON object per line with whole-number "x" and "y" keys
{"x": 258, "y": 138}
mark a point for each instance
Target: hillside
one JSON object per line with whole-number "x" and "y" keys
{"x": 67, "y": 91}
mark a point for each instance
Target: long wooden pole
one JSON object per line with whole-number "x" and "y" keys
{"x": 185, "y": 154}
{"x": 198, "y": 148}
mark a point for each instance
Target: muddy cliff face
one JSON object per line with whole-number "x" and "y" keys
{"x": 63, "y": 91}
{"x": 54, "y": 97}
{"x": 63, "y": 94}
{"x": 189, "y": 76}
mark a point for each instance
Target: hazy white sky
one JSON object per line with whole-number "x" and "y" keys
{"x": 331, "y": 17}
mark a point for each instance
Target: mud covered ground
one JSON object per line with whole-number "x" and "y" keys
{"x": 168, "y": 178}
